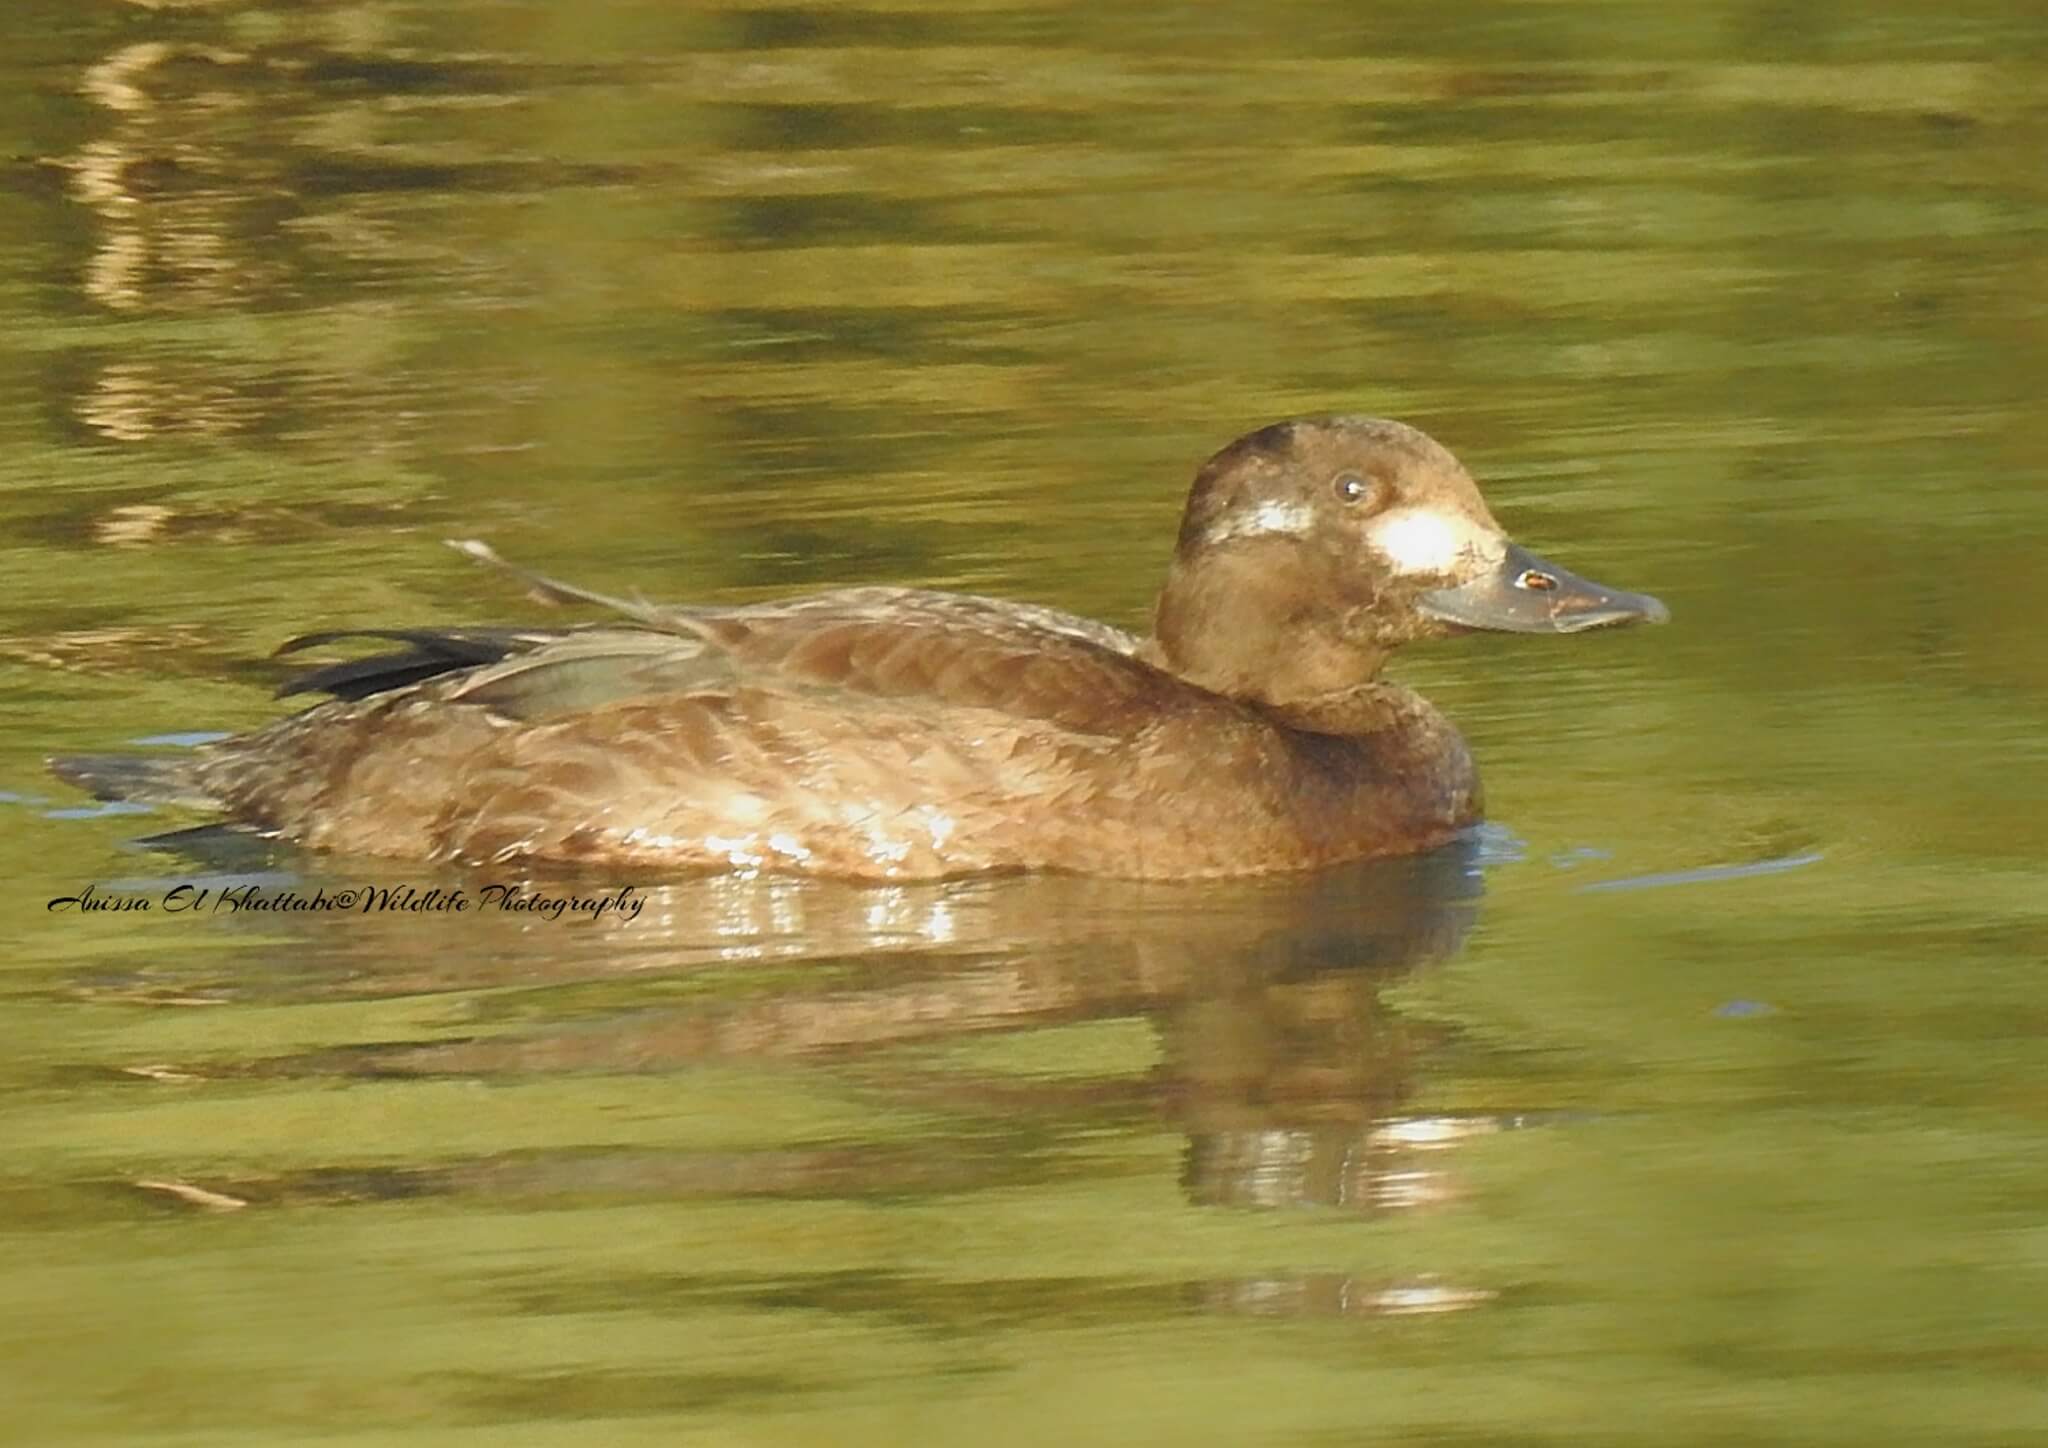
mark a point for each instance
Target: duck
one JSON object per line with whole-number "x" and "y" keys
{"x": 894, "y": 733}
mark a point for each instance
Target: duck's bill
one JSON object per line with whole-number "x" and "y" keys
{"x": 1524, "y": 594}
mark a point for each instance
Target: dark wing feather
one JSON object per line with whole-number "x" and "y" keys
{"x": 430, "y": 652}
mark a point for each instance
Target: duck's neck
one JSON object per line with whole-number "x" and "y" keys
{"x": 1236, "y": 626}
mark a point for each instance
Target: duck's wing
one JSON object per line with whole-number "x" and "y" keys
{"x": 938, "y": 649}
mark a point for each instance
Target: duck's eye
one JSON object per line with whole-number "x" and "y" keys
{"x": 1535, "y": 579}
{"x": 1351, "y": 488}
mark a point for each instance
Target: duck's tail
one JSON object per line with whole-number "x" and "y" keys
{"x": 140, "y": 778}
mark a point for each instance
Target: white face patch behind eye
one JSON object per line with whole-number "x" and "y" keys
{"x": 1268, "y": 519}
{"x": 1417, "y": 541}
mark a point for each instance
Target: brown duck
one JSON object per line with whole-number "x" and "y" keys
{"x": 895, "y": 733}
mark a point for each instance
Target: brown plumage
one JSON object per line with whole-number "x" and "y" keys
{"x": 887, "y": 733}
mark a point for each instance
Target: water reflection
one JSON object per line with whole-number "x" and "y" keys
{"x": 1274, "y": 1054}
{"x": 237, "y": 188}
{"x": 175, "y": 195}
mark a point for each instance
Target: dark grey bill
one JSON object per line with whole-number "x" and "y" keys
{"x": 1524, "y": 594}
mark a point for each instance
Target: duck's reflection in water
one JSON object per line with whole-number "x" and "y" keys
{"x": 1273, "y": 1053}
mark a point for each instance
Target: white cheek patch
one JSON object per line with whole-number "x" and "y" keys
{"x": 1433, "y": 544}
{"x": 1271, "y": 518}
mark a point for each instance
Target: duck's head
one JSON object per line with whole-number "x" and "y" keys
{"x": 1311, "y": 550}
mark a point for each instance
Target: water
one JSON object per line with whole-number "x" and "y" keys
{"x": 1698, "y": 1101}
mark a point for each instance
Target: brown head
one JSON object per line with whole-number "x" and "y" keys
{"x": 1311, "y": 550}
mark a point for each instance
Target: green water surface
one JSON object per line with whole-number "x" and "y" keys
{"x": 1701, "y": 1099}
